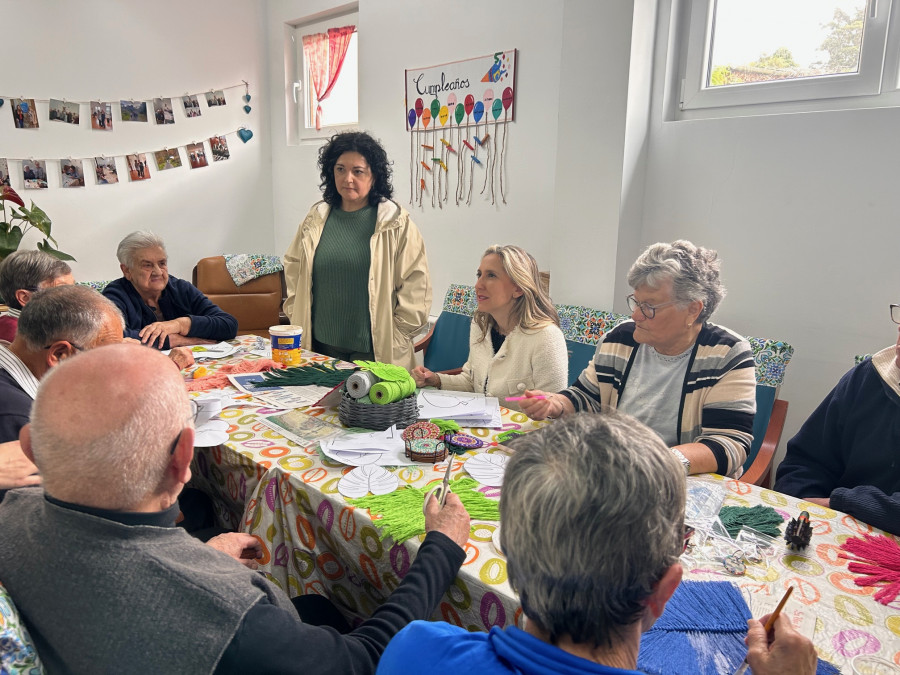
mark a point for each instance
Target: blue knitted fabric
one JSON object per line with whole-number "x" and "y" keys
{"x": 701, "y": 632}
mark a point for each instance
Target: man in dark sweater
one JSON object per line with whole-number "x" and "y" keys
{"x": 105, "y": 582}
{"x": 846, "y": 456}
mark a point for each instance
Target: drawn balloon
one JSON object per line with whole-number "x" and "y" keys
{"x": 478, "y": 111}
{"x": 469, "y": 103}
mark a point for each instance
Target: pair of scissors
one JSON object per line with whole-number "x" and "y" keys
{"x": 441, "y": 491}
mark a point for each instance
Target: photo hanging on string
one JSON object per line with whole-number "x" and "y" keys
{"x": 106, "y": 170}
{"x": 101, "y": 116}
{"x": 134, "y": 111}
{"x": 167, "y": 158}
{"x": 71, "y": 173}
{"x": 4, "y": 173}
{"x": 215, "y": 98}
{"x": 197, "y": 155}
{"x": 219, "y": 147}
{"x": 191, "y": 106}
{"x": 137, "y": 167}
{"x": 64, "y": 111}
{"x": 34, "y": 173}
{"x": 24, "y": 113}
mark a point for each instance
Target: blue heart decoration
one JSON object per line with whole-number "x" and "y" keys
{"x": 247, "y": 109}
{"x": 247, "y": 98}
{"x": 245, "y": 134}
{"x": 1, "y": 102}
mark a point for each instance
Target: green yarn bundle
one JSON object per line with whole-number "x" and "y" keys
{"x": 401, "y": 511}
{"x": 446, "y": 426}
{"x": 395, "y": 382}
{"x": 761, "y": 518}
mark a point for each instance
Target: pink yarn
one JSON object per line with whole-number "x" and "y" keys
{"x": 877, "y": 558}
{"x": 219, "y": 379}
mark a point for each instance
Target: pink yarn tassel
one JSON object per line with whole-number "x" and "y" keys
{"x": 877, "y": 558}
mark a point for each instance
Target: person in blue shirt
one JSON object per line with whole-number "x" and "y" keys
{"x": 161, "y": 310}
{"x": 845, "y": 455}
{"x": 592, "y": 525}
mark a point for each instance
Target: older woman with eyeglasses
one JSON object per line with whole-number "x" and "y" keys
{"x": 689, "y": 380}
{"x": 845, "y": 455}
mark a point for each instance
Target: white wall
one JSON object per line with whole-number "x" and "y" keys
{"x": 803, "y": 210}
{"x": 98, "y": 49}
{"x": 564, "y": 153}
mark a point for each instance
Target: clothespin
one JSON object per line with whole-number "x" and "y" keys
{"x": 476, "y": 160}
{"x": 447, "y": 143}
{"x": 435, "y": 159}
{"x": 422, "y": 180}
{"x": 428, "y": 147}
{"x": 469, "y": 145}
{"x": 443, "y": 166}
{"x": 485, "y": 139}
{"x": 477, "y": 140}
{"x": 425, "y": 166}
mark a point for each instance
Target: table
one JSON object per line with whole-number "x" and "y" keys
{"x": 849, "y": 622}
{"x": 315, "y": 542}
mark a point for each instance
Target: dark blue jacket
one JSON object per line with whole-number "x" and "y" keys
{"x": 179, "y": 298}
{"x": 849, "y": 451}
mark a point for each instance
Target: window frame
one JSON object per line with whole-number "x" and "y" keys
{"x": 876, "y": 78}
{"x": 300, "y": 95}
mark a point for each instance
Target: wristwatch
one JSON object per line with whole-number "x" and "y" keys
{"x": 685, "y": 462}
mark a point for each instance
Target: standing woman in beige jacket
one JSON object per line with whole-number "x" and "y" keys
{"x": 356, "y": 272}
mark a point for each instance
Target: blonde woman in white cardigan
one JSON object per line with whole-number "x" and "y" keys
{"x": 515, "y": 342}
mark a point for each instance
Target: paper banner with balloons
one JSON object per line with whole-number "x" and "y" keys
{"x": 454, "y": 114}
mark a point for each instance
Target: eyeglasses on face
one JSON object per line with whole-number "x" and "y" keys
{"x": 77, "y": 348}
{"x": 648, "y": 310}
{"x": 895, "y": 313}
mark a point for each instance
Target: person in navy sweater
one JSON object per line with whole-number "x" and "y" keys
{"x": 161, "y": 310}
{"x": 846, "y": 456}
{"x": 592, "y": 526}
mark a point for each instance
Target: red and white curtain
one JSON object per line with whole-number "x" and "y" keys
{"x": 325, "y": 54}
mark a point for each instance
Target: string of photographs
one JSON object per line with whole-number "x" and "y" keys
{"x": 475, "y": 94}
{"x": 25, "y": 115}
{"x": 34, "y": 172}
{"x": 71, "y": 170}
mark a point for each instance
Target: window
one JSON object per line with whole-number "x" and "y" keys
{"x": 340, "y": 105}
{"x": 751, "y": 52}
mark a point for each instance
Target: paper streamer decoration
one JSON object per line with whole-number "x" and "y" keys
{"x": 487, "y": 469}
{"x": 470, "y": 92}
{"x": 365, "y": 479}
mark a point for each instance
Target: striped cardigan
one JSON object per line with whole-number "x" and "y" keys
{"x": 718, "y": 398}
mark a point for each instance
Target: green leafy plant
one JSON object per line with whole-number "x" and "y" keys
{"x": 11, "y": 232}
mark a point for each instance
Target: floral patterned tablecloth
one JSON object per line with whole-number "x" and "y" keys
{"x": 314, "y": 542}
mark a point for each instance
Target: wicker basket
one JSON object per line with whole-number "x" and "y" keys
{"x": 352, "y": 413}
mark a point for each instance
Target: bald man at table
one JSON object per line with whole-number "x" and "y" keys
{"x": 138, "y": 595}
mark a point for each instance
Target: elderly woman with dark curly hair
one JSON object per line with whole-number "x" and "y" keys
{"x": 689, "y": 380}
{"x": 356, "y": 272}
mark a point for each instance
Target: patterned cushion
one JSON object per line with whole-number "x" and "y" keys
{"x": 96, "y": 285}
{"x": 772, "y": 357}
{"x": 586, "y": 325}
{"x": 244, "y": 267}
{"x": 17, "y": 653}
{"x": 460, "y": 299}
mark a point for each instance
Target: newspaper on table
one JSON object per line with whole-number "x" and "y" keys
{"x": 301, "y": 428}
{"x": 284, "y": 398}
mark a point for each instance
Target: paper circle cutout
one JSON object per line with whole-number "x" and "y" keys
{"x": 460, "y": 112}
{"x": 497, "y": 108}
{"x": 469, "y": 102}
{"x": 435, "y": 107}
{"x": 443, "y": 114}
{"x": 411, "y": 118}
{"x": 479, "y": 111}
{"x": 214, "y": 432}
{"x": 451, "y": 101}
{"x": 487, "y": 469}
{"x": 507, "y": 97}
{"x": 488, "y": 97}
{"x": 426, "y": 117}
{"x": 419, "y": 107}
{"x": 365, "y": 479}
